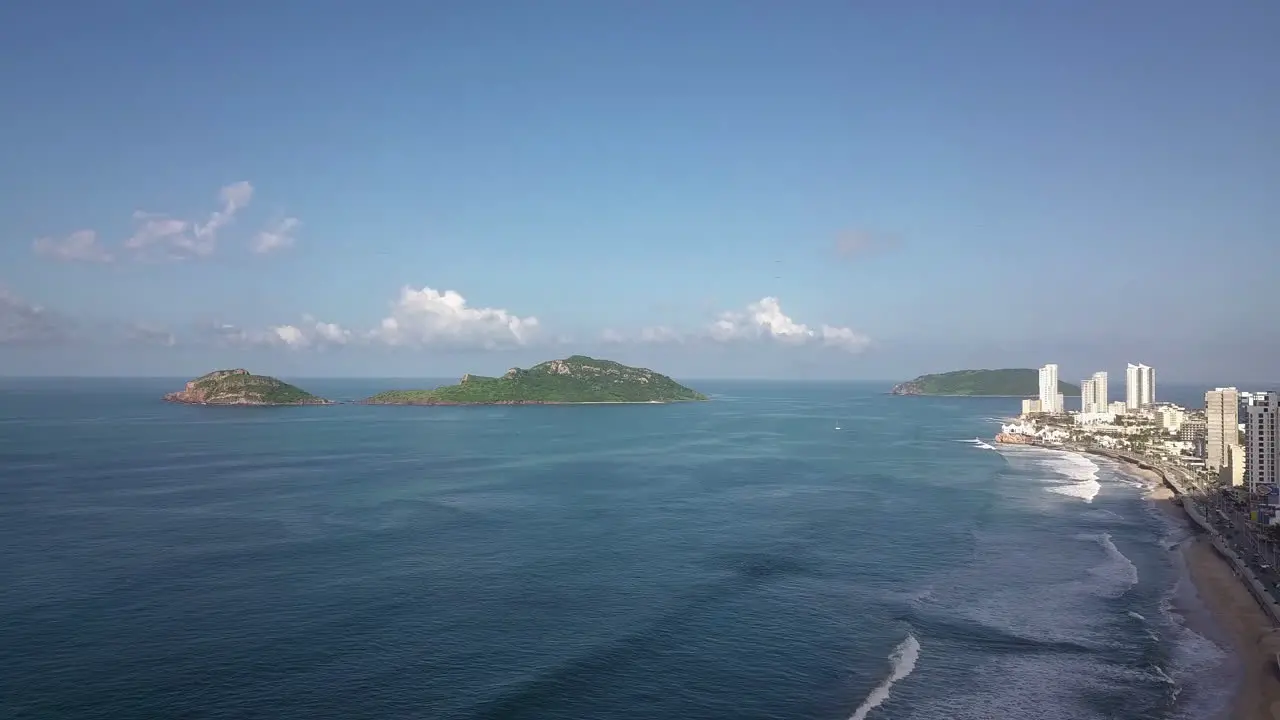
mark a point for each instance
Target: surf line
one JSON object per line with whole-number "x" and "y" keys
{"x": 901, "y": 662}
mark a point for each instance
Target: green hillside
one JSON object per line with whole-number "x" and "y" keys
{"x": 576, "y": 379}
{"x": 1018, "y": 382}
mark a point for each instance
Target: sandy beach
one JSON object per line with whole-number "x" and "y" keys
{"x": 1254, "y": 639}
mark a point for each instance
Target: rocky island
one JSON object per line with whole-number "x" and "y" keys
{"x": 574, "y": 380}
{"x": 240, "y": 387}
{"x": 1009, "y": 382}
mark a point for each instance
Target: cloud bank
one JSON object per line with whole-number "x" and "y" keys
{"x": 760, "y": 321}
{"x": 431, "y": 319}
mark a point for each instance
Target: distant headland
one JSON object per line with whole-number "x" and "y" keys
{"x": 1009, "y": 382}
{"x": 240, "y": 387}
{"x": 577, "y": 379}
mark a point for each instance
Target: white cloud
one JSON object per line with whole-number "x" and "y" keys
{"x": 23, "y": 323}
{"x": 844, "y": 338}
{"x": 419, "y": 318}
{"x": 153, "y": 228}
{"x": 79, "y": 246}
{"x": 430, "y": 317}
{"x": 290, "y": 335}
{"x": 277, "y": 235}
{"x": 180, "y": 238}
{"x": 764, "y": 319}
{"x": 233, "y": 197}
{"x": 311, "y": 333}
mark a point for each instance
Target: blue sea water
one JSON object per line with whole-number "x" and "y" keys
{"x": 799, "y": 551}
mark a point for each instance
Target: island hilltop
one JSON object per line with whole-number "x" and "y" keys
{"x": 1010, "y": 382}
{"x": 240, "y": 387}
{"x": 577, "y": 379}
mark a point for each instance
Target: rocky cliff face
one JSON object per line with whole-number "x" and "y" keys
{"x": 907, "y": 388}
{"x": 240, "y": 387}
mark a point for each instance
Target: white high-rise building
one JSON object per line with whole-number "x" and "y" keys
{"x": 1139, "y": 386}
{"x": 1222, "y": 418}
{"x": 1093, "y": 394}
{"x": 1261, "y": 434}
{"x": 1050, "y": 399}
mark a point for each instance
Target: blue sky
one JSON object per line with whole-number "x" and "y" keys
{"x": 738, "y": 189}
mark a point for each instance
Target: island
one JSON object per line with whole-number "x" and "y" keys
{"x": 240, "y": 387}
{"x": 574, "y": 380}
{"x": 1009, "y": 382}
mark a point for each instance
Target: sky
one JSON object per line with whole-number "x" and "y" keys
{"x": 726, "y": 188}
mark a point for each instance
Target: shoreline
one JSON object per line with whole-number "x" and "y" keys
{"x": 1232, "y": 609}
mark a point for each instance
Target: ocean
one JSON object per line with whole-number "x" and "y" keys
{"x": 788, "y": 550}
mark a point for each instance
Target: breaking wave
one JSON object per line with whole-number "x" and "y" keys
{"x": 902, "y": 661}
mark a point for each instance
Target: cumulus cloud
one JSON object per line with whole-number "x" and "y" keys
{"x": 183, "y": 239}
{"x": 765, "y": 319}
{"x": 311, "y": 333}
{"x": 22, "y": 323}
{"x": 277, "y": 235}
{"x": 428, "y": 317}
{"x": 419, "y": 318}
{"x": 79, "y": 246}
{"x": 859, "y": 243}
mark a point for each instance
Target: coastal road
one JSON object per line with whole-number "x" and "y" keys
{"x": 1233, "y": 524}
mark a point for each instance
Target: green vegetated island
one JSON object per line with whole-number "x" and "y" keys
{"x": 240, "y": 387}
{"x": 1010, "y": 382}
{"x": 574, "y": 380}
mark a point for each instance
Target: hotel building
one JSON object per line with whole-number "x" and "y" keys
{"x": 1139, "y": 386}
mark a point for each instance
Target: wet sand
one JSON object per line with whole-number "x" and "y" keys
{"x": 1253, "y": 637}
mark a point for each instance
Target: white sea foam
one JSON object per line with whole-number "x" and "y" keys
{"x": 1080, "y": 470}
{"x": 1118, "y": 573}
{"x": 1136, "y": 616}
{"x": 902, "y": 661}
{"x": 978, "y": 443}
{"x": 1043, "y": 686}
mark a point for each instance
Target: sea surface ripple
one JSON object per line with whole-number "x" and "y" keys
{"x": 741, "y": 558}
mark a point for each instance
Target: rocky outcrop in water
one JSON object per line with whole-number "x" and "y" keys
{"x": 240, "y": 387}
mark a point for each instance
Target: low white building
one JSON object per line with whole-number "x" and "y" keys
{"x": 1094, "y": 418}
{"x": 1169, "y": 418}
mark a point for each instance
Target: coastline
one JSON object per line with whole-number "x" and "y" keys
{"x": 1232, "y": 609}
